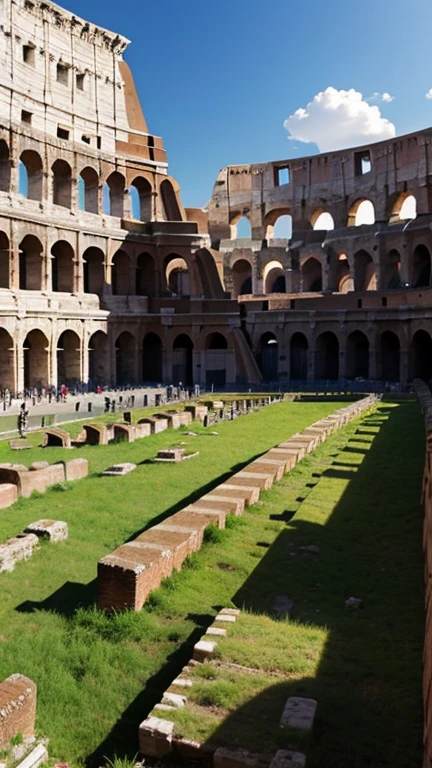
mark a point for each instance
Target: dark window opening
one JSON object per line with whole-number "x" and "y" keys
{"x": 26, "y": 117}
{"x": 99, "y": 142}
{"x": 80, "y": 78}
{"x": 62, "y": 74}
{"x": 292, "y": 304}
{"x": 384, "y": 301}
{"x": 359, "y": 303}
{"x": 85, "y": 139}
{"x": 62, "y": 133}
{"x": 29, "y": 54}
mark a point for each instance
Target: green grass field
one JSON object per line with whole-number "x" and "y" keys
{"x": 357, "y": 498}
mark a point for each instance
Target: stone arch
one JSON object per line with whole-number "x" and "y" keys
{"x": 62, "y": 267}
{"x": 391, "y": 270}
{"x": 421, "y": 356}
{"x": 390, "y": 356}
{"x": 94, "y": 273}
{"x": 145, "y": 275}
{"x": 327, "y": 356}
{"x": 5, "y": 167}
{"x": 274, "y": 277}
{"x": 31, "y": 175}
{"x": 357, "y": 356}
{"x": 365, "y": 278}
{"x": 30, "y": 264}
{"x": 4, "y": 260}
{"x": 62, "y": 183}
{"x": 125, "y": 357}
{"x": 271, "y": 219}
{"x": 98, "y": 359}
{"x": 7, "y": 376}
{"x": 311, "y": 275}
{"x": 121, "y": 274}
{"x": 420, "y": 267}
{"x": 404, "y": 209}
{"x": 152, "y": 359}
{"x": 298, "y": 356}
{"x": 177, "y": 275}
{"x": 268, "y": 356}
{"x": 340, "y": 277}
{"x": 36, "y": 350}
{"x": 322, "y": 220}
{"x": 114, "y": 192}
{"x": 216, "y": 340}
{"x": 140, "y": 191}
{"x": 88, "y": 190}
{"x": 68, "y": 359}
{"x": 361, "y": 212}
{"x": 242, "y": 277}
{"x": 183, "y": 360}
{"x": 240, "y": 227}
{"x": 170, "y": 202}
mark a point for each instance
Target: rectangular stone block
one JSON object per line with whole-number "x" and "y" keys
{"x": 204, "y": 650}
{"x": 173, "y": 418}
{"x": 218, "y": 515}
{"x": 250, "y": 493}
{"x": 53, "y": 530}
{"x": 288, "y": 759}
{"x": 155, "y": 737}
{"x": 18, "y": 548}
{"x": 189, "y": 522}
{"x": 239, "y": 758}
{"x": 96, "y": 434}
{"x": 8, "y": 495}
{"x": 17, "y": 708}
{"x": 284, "y": 454}
{"x": 262, "y": 480}
{"x": 180, "y": 544}
{"x": 141, "y": 431}
{"x": 128, "y": 575}
{"x": 276, "y": 468}
{"x": 198, "y": 411}
{"x": 230, "y": 504}
{"x": 76, "y": 469}
{"x": 185, "y": 418}
{"x": 299, "y": 713}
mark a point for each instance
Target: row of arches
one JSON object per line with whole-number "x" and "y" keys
{"x": 278, "y": 223}
{"x": 326, "y": 357}
{"x": 111, "y": 196}
{"x": 69, "y": 352}
{"x": 129, "y": 276}
{"x": 360, "y": 275}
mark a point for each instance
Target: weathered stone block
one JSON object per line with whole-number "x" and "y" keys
{"x": 17, "y": 708}
{"x": 76, "y": 469}
{"x": 276, "y": 469}
{"x": 175, "y": 700}
{"x": 8, "y": 495}
{"x": 128, "y": 575}
{"x": 56, "y": 438}
{"x": 299, "y": 713}
{"x": 177, "y": 543}
{"x": 53, "y": 530}
{"x": 124, "y": 433}
{"x": 287, "y": 759}
{"x": 18, "y": 548}
{"x": 200, "y": 507}
{"x": 239, "y": 758}
{"x": 203, "y": 650}
{"x": 263, "y": 480}
{"x": 250, "y": 493}
{"x": 216, "y": 631}
{"x": 229, "y": 504}
{"x": 155, "y": 737}
{"x": 185, "y": 418}
{"x": 119, "y": 470}
{"x": 96, "y": 434}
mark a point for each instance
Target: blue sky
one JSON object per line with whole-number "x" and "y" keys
{"x": 218, "y": 79}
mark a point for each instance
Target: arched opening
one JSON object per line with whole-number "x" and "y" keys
{"x": 327, "y": 357}
{"x": 62, "y": 267}
{"x": 391, "y": 270}
{"x": 170, "y": 202}
{"x": 62, "y": 183}
{"x": 216, "y": 341}
{"x": 30, "y": 264}
{"x": 145, "y": 275}
{"x": 311, "y": 275}
{"x": 152, "y": 357}
{"x": 390, "y": 356}
{"x": 36, "y": 360}
{"x": 5, "y": 167}
{"x": 177, "y": 276}
{"x": 141, "y": 199}
{"x": 420, "y": 267}
{"x": 278, "y": 224}
{"x": 408, "y": 210}
{"x": 364, "y": 272}
{"x": 98, "y": 359}
{"x": 242, "y": 277}
{"x": 4, "y": 260}
{"x": 421, "y": 356}
{"x": 68, "y": 359}
{"x": 183, "y": 360}
{"x": 113, "y": 202}
{"x": 324, "y": 221}
{"x": 357, "y": 356}
{"x": 88, "y": 190}
{"x": 30, "y": 175}
{"x": 298, "y": 357}
{"x": 362, "y": 212}
{"x": 340, "y": 277}
{"x": 7, "y": 379}
{"x": 274, "y": 277}
{"x": 121, "y": 274}
{"x": 125, "y": 359}
{"x": 94, "y": 275}
{"x": 268, "y": 356}
{"x": 241, "y": 228}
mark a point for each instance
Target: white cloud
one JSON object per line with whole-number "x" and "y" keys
{"x": 386, "y": 98}
{"x": 429, "y": 94}
{"x": 337, "y": 120}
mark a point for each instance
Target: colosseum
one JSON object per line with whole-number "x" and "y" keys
{"x": 105, "y": 278}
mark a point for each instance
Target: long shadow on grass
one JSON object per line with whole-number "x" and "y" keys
{"x": 368, "y": 679}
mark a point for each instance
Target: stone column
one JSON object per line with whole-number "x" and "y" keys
{"x": 85, "y": 361}
{"x": 257, "y": 281}
{"x": 374, "y": 363}
{"x": 404, "y": 365}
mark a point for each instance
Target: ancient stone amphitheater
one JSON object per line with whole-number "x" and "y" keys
{"x": 106, "y": 278}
